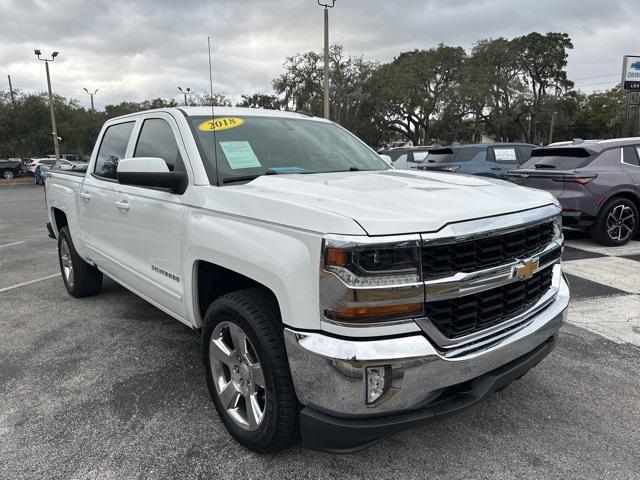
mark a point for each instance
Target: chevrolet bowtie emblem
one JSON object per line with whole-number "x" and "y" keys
{"x": 526, "y": 269}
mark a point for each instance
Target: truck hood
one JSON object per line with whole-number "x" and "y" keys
{"x": 390, "y": 202}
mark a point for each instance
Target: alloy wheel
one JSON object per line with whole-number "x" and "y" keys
{"x": 65, "y": 260}
{"x": 238, "y": 376}
{"x": 621, "y": 223}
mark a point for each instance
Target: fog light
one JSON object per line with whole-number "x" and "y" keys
{"x": 377, "y": 381}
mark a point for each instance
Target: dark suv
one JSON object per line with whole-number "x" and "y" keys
{"x": 484, "y": 159}
{"x": 597, "y": 183}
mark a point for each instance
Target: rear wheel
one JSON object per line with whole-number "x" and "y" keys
{"x": 80, "y": 278}
{"x": 7, "y": 174}
{"x": 247, "y": 370}
{"x": 617, "y": 222}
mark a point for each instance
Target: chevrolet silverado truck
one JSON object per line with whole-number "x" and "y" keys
{"x": 339, "y": 300}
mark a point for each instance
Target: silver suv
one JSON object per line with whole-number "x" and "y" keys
{"x": 596, "y": 181}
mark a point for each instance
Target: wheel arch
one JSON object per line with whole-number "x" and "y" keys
{"x": 59, "y": 219}
{"x": 211, "y": 281}
{"x": 627, "y": 193}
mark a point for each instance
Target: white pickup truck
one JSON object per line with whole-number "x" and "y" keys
{"x": 338, "y": 299}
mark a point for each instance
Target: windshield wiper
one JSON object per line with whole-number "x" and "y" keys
{"x": 248, "y": 178}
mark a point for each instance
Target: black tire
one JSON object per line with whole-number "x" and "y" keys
{"x": 601, "y": 230}
{"x": 256, "y": 312}
{"x": 7, "y": 174}
{"x": 86, "y": 279}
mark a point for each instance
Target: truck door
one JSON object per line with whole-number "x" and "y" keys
{"x": 150, "y": 220}
{"x": 97, "y": 196}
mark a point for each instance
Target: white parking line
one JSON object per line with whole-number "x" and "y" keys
{"x": 616, "y": 272}
{"x": 630, "y": 248}
{"x": 24, "y": 284}
{"x": 12, "y": 244}
{"x": 615, "y": 318}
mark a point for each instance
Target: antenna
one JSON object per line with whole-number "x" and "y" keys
{"x": 213, "y": 114}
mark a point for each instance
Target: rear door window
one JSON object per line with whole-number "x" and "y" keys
{"x": 504, "y": 154}
{"x": 560, "y": 158}
{"x": 467, "y": 154}
{"x": 630, "y": 155}
{"x": 113, "y": 149}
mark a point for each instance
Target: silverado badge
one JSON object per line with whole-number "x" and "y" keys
{"x": 525, "y": 269}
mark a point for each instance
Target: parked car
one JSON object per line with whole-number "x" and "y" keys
{"x": 484, "y": 159}
{"x": 339, "y": 300}
{"x": 71, "y": 157}
{"x": 79, "y": 166}
{"x": 10, "y": 168}
{"x": 40, "y": 173}
{"x": 597, "y": 183}
{"x": 34, "y": 162}
{"x": 405, "y": 158}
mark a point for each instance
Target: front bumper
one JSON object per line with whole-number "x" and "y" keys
{"x": 328, "y": 375}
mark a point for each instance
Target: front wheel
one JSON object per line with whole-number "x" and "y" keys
{"x": 617, "y": 223}
{"x": 247, "y": 370}
{"x": 7, "y": 175}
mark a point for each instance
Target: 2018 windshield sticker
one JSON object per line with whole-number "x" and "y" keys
{"x": 221, "y": 123}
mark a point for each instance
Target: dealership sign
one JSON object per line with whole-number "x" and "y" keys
{"x": 631, "y": 73}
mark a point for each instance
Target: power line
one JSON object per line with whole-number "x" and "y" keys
{"x": 598, "y": 83}
{"x": 597, "y": 76}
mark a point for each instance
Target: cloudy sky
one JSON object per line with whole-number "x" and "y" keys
{"x": 143, "y": 49}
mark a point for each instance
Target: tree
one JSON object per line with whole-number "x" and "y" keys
{"x": 542, "y": 60}
{"x": 261, "y": 100}
{"x": 415, "y": 89}
{"x": 495, "y": 90}
{"x": 219, "y": 100}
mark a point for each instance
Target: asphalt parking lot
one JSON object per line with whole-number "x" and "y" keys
{"x": 110, "y": 387}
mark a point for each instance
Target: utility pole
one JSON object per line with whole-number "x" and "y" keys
{"x": 186, "y": 92}
{"x": 553, "y": 121}
{"x": 13, "y": 101}
{"x": 91, "y": 95}
{"x": 46, "y": 61}
{"x": 326, "y": 6}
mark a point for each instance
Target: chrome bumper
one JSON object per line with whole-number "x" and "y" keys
{"x": 328, "y": 372}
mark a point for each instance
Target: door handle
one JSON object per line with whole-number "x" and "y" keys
{"x": 496, "y": 168}
{"x": 85, "y": 196}
{"x": 123, "y": 205}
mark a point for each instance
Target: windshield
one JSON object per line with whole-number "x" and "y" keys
{"x": 559, "y": 158}
{"x": 251, "y": 146}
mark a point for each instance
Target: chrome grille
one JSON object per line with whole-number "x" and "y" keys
{"x": 443, "y": 260}
{"x": 460, "y": 316}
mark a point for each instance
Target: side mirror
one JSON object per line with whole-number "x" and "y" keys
{"x": 150, "y": 172}
{"x": 387, "y": 160}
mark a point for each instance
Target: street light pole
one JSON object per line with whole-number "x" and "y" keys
{"x": 13, "y": 100}
{"x": 326, "y": 6}
{"x": 186, "y": 92}
{"x": 46, "y": 61}
{"x": 91, "y": 95}
{"x": 553, "y": 121}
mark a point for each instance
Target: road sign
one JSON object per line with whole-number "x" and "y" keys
{"x": 631, "y": 73}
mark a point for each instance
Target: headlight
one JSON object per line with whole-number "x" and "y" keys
{"x": 557, "y": 229}
{"x": 367, "y": 281}
{"x": 371, "y": 265}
